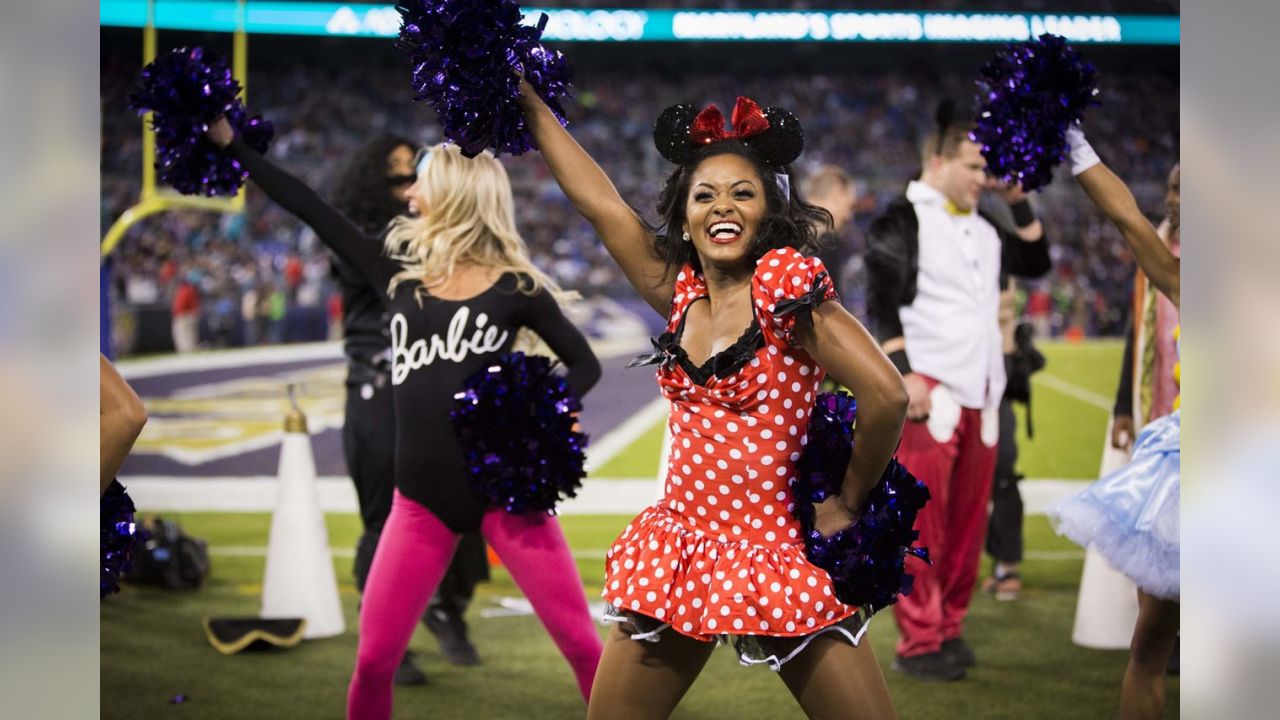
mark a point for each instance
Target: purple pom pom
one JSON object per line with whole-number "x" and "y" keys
{"x": 826, "y": 455}
{"x": 118, "y": 536}
{"x": 867, "y": 560}
{"x": 465, "y": 54}
{"x": 185, "y": 90}
{"x": 514, "y": 422}
{"x": 1030, "y": 94}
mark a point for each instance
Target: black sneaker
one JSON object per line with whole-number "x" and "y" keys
{"x": 930, "y": 667}
{"x": 451, "y": 633}
{"x": 408, "y": 673}
{"x": 959, "y": 652}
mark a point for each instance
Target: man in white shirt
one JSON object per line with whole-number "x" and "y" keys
{"x": 934, "y": 263}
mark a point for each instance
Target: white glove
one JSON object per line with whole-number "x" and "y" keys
{"x": 1083, "y": 156}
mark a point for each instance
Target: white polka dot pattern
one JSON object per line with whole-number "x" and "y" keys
{"x": 720, "y": 552}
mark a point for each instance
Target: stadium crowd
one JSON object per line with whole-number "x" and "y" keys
{"x": 263, "y": 277}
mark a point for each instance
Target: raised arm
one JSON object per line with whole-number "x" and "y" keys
{"x": 841, "y": 345}
{"x": 594, "y": 196}
{"x": 1114, "y": 198}
{"x": 331, "y": 226}
{"x": 121, "y": 416}
{"x": 1024, "y": 251}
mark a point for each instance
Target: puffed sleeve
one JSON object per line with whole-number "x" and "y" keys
{"x": 786, "y": 287}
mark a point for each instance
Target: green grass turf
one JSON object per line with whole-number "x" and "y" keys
{"x": 153, "y": 648}
{"x": 1068, "y": 431}
{"x": 637, "y": 460}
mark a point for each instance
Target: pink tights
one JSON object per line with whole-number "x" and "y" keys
{"x": 413, "y": 552}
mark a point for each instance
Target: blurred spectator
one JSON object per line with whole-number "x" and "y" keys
{"x": 186, "y": 315}
{"x": 334, "y": 310}
{"x": 860, "y": 121}
{"x": 834, "y": 190}
{"x": 249, "y": 315}
{"x": 275, "y": 315}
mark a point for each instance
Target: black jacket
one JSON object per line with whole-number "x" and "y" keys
{"x": 893, "y": 263}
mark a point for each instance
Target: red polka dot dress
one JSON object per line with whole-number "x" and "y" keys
{"x": 720, "y": 553}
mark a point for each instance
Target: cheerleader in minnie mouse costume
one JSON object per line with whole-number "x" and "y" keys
{"x": 750, "y": 335}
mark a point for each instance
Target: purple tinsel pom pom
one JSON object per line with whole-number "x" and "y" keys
{"x": 464, "y": 54}
{"x": 185, "y": 90}
{"x": 867, "y": 560}
{"x": 514, "y": 423}
{"x": 1030, "y": 94}
{"x": 826, "y": 455}
{"x": 118, "y": 535}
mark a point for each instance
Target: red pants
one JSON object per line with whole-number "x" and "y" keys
{"x": 958, "y": 473}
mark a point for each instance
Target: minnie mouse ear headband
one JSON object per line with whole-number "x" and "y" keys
{"x": 775, "y": 134}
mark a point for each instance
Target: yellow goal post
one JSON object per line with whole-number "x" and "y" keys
{"x": 155, "y": 199}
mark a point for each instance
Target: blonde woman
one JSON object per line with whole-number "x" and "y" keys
{"x": 459, "y": 286}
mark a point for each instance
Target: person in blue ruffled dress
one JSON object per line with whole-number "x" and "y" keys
{"x": 1131, "y": 515}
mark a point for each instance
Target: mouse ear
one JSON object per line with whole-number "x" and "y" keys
{"x": 945, "y": 114}
{"x": 782, "y": 143}
{"x": 671, "y": 133}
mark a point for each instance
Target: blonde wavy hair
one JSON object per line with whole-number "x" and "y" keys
{"x": 467, "y": 218}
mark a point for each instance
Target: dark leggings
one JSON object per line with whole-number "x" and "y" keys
{"x": 1004, "y": 530}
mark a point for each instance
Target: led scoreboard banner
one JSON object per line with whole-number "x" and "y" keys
{"x": 666, "y": 25}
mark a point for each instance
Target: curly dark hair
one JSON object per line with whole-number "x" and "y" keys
{"x": 361, "y": 192}
{"x": 788, "y": 221}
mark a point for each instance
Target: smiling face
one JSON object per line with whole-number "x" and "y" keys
{"x": 722, "y": 213}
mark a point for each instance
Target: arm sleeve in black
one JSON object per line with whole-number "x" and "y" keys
{"x": 541, "y": 314}
{"x": 331, "y": 226}
{"x": 1024, "y": 258}
{"x": 889, "y": 280}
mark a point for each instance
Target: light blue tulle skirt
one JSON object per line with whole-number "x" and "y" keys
{"x": 1131, "y": 515}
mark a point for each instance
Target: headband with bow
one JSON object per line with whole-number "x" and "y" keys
{"x": 748, "y": 121}
{"x": 775, "y": 134}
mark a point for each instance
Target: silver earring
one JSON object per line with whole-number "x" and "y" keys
{"x": 686, "y": 237}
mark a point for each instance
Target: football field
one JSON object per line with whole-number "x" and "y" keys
{"x": 153, "y": 646}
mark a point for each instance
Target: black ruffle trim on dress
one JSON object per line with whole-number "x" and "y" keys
{"x": 667, "y": 350}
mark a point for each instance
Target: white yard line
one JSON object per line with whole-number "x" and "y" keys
{"x": 337, "y": 495}
{"x": 1070, "y": 389}
{"x": 598, "y": 496}
{"x": 601, "y": 451}
{"x": 269, "y": 355}
{"x": 299, "y": 352}
{"x": 260, "y": 551}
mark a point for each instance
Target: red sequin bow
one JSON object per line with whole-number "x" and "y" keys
{"x": 748, "y": 121}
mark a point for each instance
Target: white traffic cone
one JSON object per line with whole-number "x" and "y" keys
{"x": 1107, "y": 607}
{"x": 299, "y": 581}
